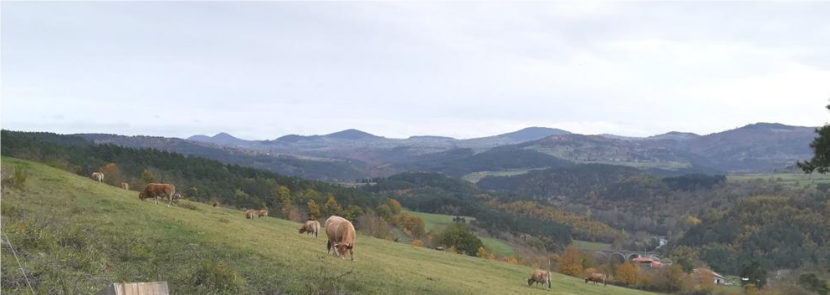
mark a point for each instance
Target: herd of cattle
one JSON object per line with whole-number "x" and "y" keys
{"x": 340, "y": 232}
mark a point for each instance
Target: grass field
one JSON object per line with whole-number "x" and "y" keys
{"x": 476, "y": 176}
{"x": 585, "y": 245}
{"x": 74, "y": 236}
{"x": 788, "y": 179}
{"x": 441, "y": 221}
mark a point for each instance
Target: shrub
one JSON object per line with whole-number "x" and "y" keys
{"x": 460, "y": 237}
{"x": 214, "y": 276}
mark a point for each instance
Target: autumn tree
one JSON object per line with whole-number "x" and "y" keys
{"x": 414, "y": 225}
{"x": 629, "y": 274}
{"x": 481, "y": 252}
{"x": 313, "y": 210}
{"x": 284, "y": 196}
{"x": 331, "y": 207}
{"x": 570, "y": 263}
{"x": 112, "y": 174}
{"x": 394, "y": 206}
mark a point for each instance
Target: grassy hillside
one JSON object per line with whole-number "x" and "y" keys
{"x": 788, "y": 179}
{"x": 73, "y": 235}
{"x": 441, "y": 221}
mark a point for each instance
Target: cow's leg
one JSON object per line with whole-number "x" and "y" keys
{"x": 351, "y": 253}
{"x": 171, "y": 200}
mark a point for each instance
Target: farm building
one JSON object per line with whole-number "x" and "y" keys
{"x": 719, "y": 279}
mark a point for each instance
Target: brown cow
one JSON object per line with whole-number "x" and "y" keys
{"x": 215, "y": 203}
{"x": 97, "y": 176}
{"x": 125, "y": 186}
{"x": 596, "y": 278}
{"x": 262, "y": 213}
{"x": 539, "y": 276}
{"x": 159, "y": 190}
{"x": 341, "y": 236}
{"x": 311, "y": 227}
{"x": 250, "y": 213}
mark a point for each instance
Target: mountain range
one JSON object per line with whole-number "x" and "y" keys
{"x": 352, "y": 154}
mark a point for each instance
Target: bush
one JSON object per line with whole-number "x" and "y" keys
{"x": 17, "y": 179}
{"x": 214, "y": 276}
{"x": 460, "y": 237}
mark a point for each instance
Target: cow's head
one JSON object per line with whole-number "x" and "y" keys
{"x": 141, "y": 196}
{"x": 342, "y": 249}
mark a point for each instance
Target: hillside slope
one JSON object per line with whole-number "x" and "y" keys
{"x": 74, "y": 235}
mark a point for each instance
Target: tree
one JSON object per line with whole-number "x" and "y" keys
{"x": 112, "y": 175}
{"x": 331, "y": 207}
{"x": 313, "y": 210}
{"x": 384, "y": 212}
{"x": 821, "y": 152}
{"x": 756, "y": 274}
{"x": 284, "y": 194}
{"x": 629, "y": 274}
{"x": 458, "y": 236}
{"x": 353, "y": 212}
{"x": 395, "y": 206}
{"x": 147, "y": 176}
{"x": 669, "y": 279}
{"x": 570, "y": 263}
{"x": 481, "y": 252}
{"x": 415, "y": 225}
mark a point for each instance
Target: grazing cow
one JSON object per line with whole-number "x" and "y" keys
{"x": 98, "y": 176}
{"x": 596, "y": 278}
{"x": 341, "y": 236}
{"x": 262, "y": 213}
{"x": 215, "y": 203}
{"x": 125, "y": 186}
{"x": 539, "y": 276}
{"x": 311, "y": 227}
{"x": 159, "y": 190}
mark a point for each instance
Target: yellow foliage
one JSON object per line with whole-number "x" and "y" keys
{"x": 570, "y": 263}
{"x": 481, "y": 252}
{"x": 691, "y": 220}
{"x": 417, "y": 243}
{"x": 629, "y": 274}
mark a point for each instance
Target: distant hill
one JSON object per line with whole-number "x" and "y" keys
{"x": 761, "y": 147}
{"x": 523, "y": 135}
{"x": 220, "y": 139}
{"x": 318, "y": 169}
{"x": 755, "y": 148}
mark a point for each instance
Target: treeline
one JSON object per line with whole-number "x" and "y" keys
{"x": 196, "y": 178}
{"x": 436, "y": 193}
{"x": 776, "y": 232}
{"x": 459, "y": 162}
{"x": 597, "y": 182}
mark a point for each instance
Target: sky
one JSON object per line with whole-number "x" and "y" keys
{"x": 260, "y": 70}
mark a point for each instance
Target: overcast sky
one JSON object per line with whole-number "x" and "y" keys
{"x": 260, "y": 70}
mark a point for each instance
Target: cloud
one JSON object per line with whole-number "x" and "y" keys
{"x": 463, "y": 69}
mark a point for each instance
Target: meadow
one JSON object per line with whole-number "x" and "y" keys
{"x": 74, "y": 236}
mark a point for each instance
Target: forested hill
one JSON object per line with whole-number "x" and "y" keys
{"x": 436, "y": 193}
{"x": 197, "y": 178}
{"x": 776, "y": 232}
